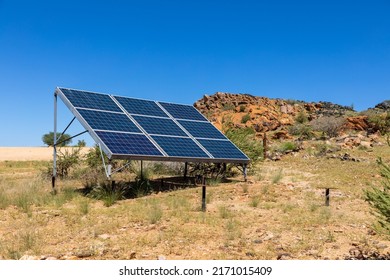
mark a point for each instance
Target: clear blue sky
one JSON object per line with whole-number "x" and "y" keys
{"x": 176, "y": 51}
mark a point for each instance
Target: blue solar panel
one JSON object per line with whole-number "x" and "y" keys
{"x": 108, "y": 121}
{"x": 84, "y": 99}
{"x": 140, "y": 107}
{"x": 159, "y": 126}
{"x": 128, "y": 144}
{"x": 180, "y": 147}
{"x": 186, "y": 112}
{"x": 202, "y": 129}
{"x": 221, "y": 149}
{"x": 142, "y": 129}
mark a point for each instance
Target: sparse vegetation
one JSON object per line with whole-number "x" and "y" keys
{"x": 277, "y": 176}
{"x": 288, "y": 147}
{"x": 108, "y": 193}
{"x": 302, "y": 117}
{"x": 379, "y": 121}
{"x": 379, "y": 198}
{"x": 245, "y": 118}
{"x": 254, "y": 202}
{"x": 329, "y": 126}
{"x": 228, "y": 107}
{"x": 155, "y": 212}
{"x": 302, "y": 130}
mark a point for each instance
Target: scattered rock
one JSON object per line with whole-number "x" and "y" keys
{"x": 284, "y": 256}
{"x": 385, "y": 105}
{"x": 132, "y": 255}
{"x": 104, "y": 236}
{"x": 267, "y": 236}
{"x": 84, "y": 254}
{"x": 161, "y": 258}
{"x": 361, "y": 253}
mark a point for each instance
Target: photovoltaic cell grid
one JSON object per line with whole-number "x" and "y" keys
{"x": 108, "y": 121}
{"x": 83, "y": 99}
{"x": 202, "y": 130}
{"x": 222, "y": 149}
{"x": 159, "y": 126}
{"x": 186, "y": 112}
{"x": 140, "y": 107}
{"x": 126, "y": 143}
{"x": 182, "y": 132}
{"x": 180, "y": 147}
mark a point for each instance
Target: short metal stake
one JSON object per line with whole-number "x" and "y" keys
{"x": 327, "y": 196}
{"x": 204, "y": 195}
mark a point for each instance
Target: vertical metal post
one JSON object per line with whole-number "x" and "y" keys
{"x": 224, "y": 168}
{"x": 142, "y": 171}
{"x": 327, "y": 196}
{"x": 204, "y": 194}
{"x": 185, "y": 170}
{"x": 265, "y": 145}
{"x": 109, "y": 169}
{"x": 53, "y": 178}
{"x": 245, "y": 172}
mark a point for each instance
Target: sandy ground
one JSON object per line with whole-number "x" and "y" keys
{"x": 27, "y": 153}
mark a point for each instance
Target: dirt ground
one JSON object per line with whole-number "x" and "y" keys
{"x": 278, "y": 214}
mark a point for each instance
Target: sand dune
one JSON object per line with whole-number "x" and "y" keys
{"x": 28, "y": 153}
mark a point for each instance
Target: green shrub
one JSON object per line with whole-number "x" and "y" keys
{"x": 141, "y": 188}
{"x": 245, "y": 118}
{"x": 379, "y": 198}
{"x": 242, "y": 108}
{"x": 287, "y": 146}
{"x": 108, "y": 193}
{"x": 245, "y": 140}
{"x": 228, "y": 107}
{"x": 145, "y": 173}
{"x": 302, "y": 117}
{"x": 380, "y": 122}
{"x": 68, "y": 160}
{"x": 94, "y": 158}
{"x": 303, "y": 131}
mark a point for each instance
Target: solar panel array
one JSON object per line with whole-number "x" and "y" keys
{"x": 143, "y": 129}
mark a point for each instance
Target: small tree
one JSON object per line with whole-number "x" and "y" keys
{"x": 81, "y": 143}
{"x": 48, "y": 139}
{"x": 379, "y": 198}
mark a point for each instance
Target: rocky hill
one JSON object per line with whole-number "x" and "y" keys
{"x": 265, "y": 114}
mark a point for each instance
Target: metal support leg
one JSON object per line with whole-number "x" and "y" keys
{"x": 53, "y": 179}
{"x": 185, "y": 170}
{"x": 109, "y": 169}
{"x": 142, "y": 170}
{"x": 245, "y": 172}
